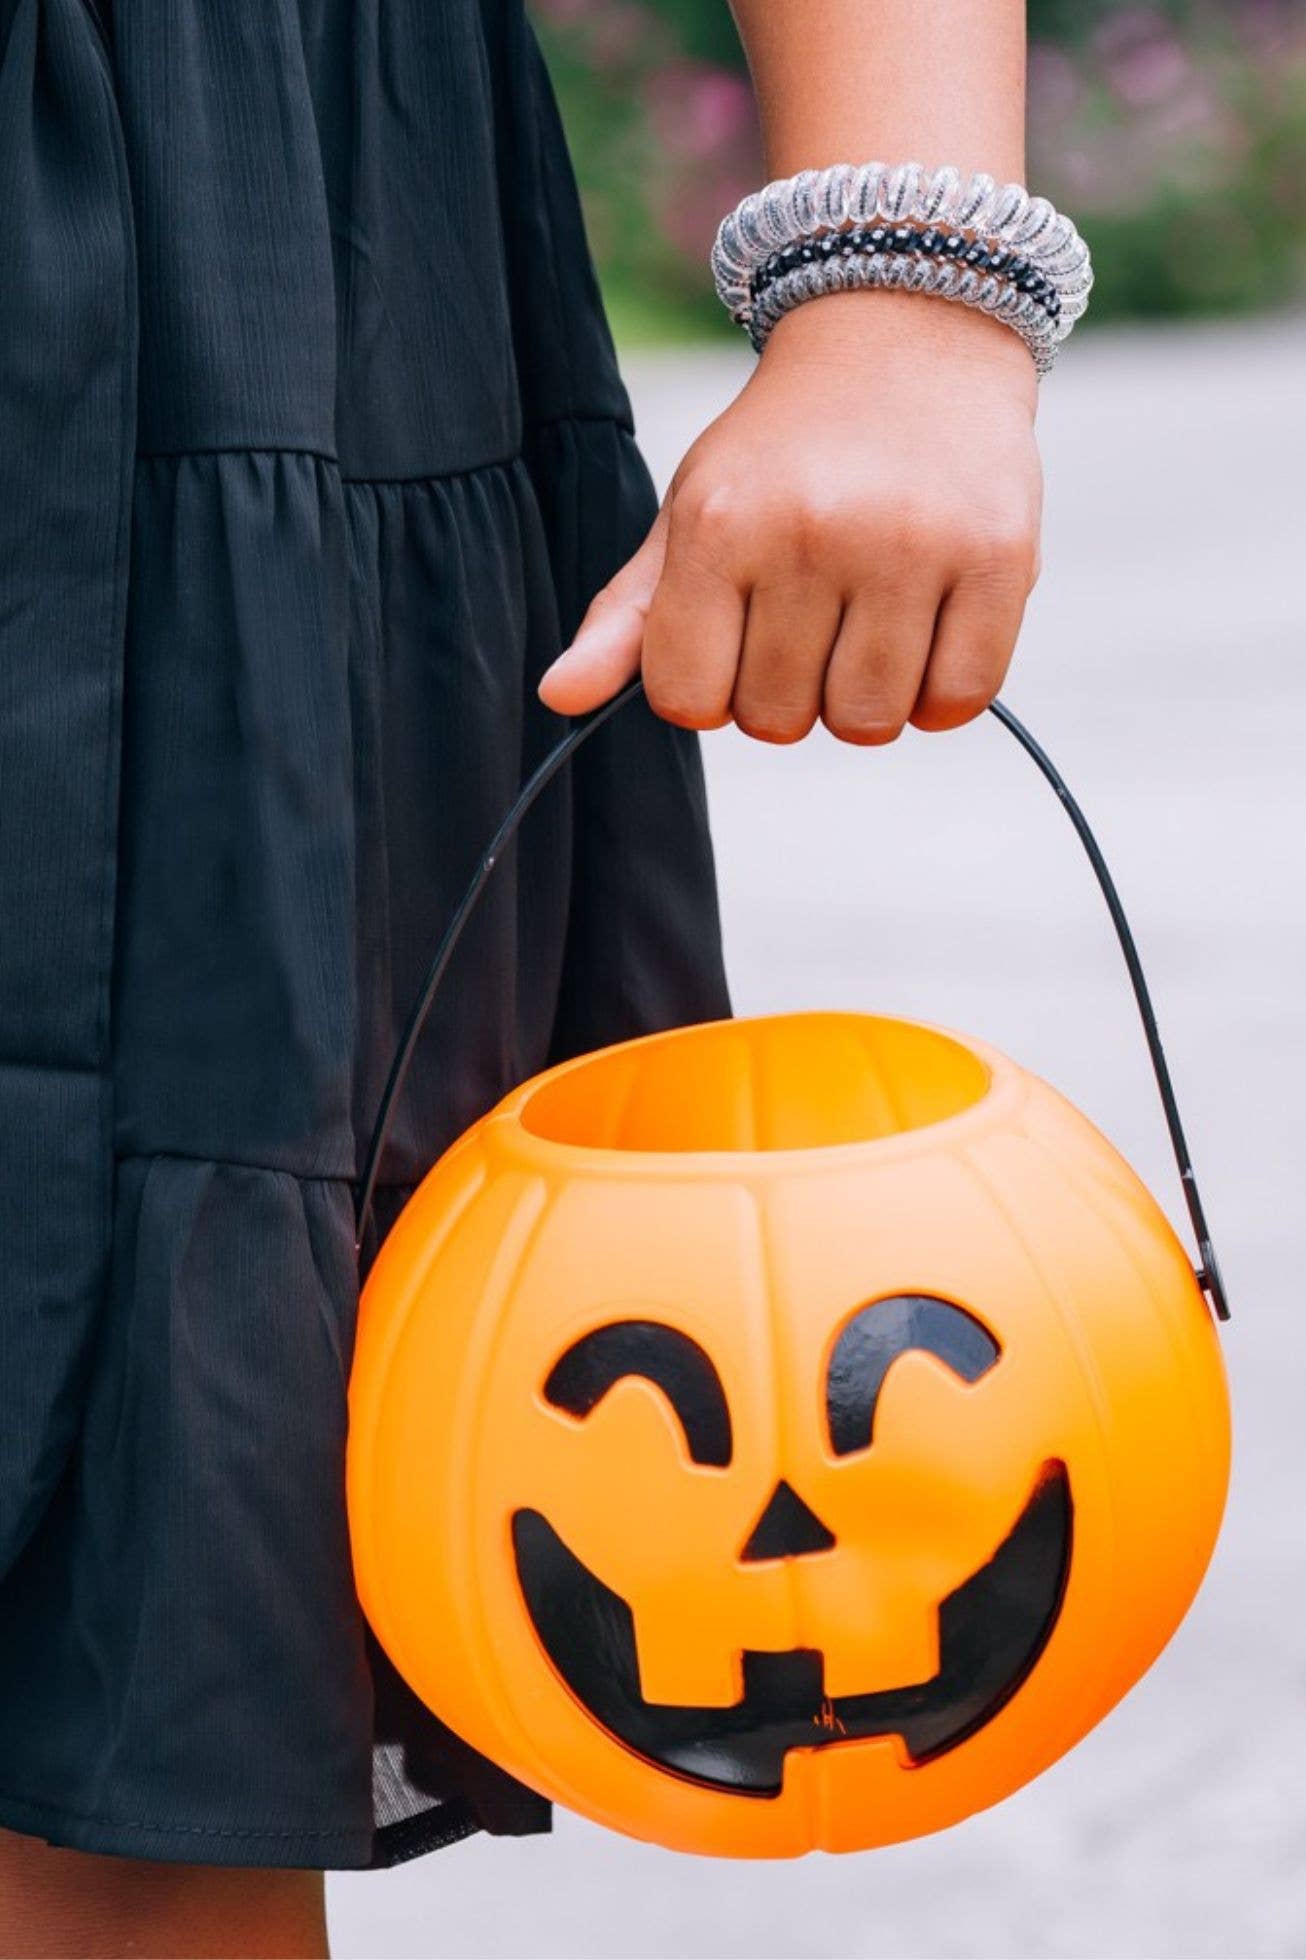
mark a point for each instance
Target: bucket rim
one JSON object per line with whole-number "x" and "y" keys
{"x": 1005, "y": 1089}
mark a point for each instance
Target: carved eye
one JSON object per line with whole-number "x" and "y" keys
{"x": 663, "y": 1356}
{"x": 871, "y": 1343}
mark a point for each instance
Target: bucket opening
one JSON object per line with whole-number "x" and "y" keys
{"x": 786, "y": 1082}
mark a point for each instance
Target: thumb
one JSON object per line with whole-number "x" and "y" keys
{"x": 605, "y": 653}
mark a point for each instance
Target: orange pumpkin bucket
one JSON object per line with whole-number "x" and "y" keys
{"x": 785, "y": 1433}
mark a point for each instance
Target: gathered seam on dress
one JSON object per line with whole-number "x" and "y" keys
{"x": 381, "y": 482}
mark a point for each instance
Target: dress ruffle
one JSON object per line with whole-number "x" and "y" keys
{"x": 330, "y": 701}
{"x": 268, "y": 667}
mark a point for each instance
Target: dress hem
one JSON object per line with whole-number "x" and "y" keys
{"x": 190, "y": 1844}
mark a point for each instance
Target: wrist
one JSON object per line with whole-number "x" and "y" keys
{"x": 904, "y": 228}
{"x": 879, "y": 333}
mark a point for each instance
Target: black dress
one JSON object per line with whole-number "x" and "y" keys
{"x": 312, "y": 449}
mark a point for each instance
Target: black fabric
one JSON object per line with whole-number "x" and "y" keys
{"x": 312, "y": 447}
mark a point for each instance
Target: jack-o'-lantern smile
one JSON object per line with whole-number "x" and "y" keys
{"x": 783, "y": 1435}
{"x": 991, "y": 1629}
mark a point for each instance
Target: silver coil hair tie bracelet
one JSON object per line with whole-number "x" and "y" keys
{"x": 987, "y": 245}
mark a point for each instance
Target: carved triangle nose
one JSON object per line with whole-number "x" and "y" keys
{"x": 787, "y": 1528}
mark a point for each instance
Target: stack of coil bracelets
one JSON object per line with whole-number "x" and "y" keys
{"x": 957, "y": 237}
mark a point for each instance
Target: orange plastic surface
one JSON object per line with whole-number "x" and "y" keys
{"x": 754, "y": 1184}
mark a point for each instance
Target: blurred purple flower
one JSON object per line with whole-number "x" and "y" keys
{"x": 1080, "y": 176}
{"x": 1271, "y": 26}
{"x": 1054, "y": 87}
{"x": 1160, "y": 112}
{"x": 698, "y": 111}
{"x": 1194, "y": 110}
{"x": 687, "y": 214}
{"x": 621, "y": 29}
{"x": 1143, "y": 57}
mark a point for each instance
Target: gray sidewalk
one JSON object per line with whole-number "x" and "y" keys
{"x": 1164, "y": 665}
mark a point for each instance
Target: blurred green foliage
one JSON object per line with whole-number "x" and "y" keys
{"x": 1175, "y": 131}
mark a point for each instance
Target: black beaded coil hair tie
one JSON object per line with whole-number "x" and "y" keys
{"x": 937, "y": 233}
{"x": 906, "y": 241}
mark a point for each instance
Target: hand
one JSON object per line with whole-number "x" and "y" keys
{"x": 853, "y": 540}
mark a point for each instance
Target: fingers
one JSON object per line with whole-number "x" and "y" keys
{"x": 774, "y": 606}
{"x": 978, "y": 625}
{"x": 774, "y": 619}
{"x": 605, "y": 653}
{"x": 790, "y": 629}
{"x": 879, "y": 660}
{"x": 696, "y": 621}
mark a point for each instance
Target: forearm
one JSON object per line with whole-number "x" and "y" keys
{"x": 848, "y": 81}
{"x": 845, "y": 81}
{"x": 855, "y": 538}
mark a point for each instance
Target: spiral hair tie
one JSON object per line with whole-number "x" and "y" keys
{"x": 901, "y": 226}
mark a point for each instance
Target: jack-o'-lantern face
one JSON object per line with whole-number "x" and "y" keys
{"x": 991, "y": 1627}
{"x": 784, "y": 1435}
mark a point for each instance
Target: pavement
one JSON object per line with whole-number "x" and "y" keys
{"x": 1164, "y": 665}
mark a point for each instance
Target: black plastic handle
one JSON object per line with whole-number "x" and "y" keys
{"x": 1208, "y": 1269}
